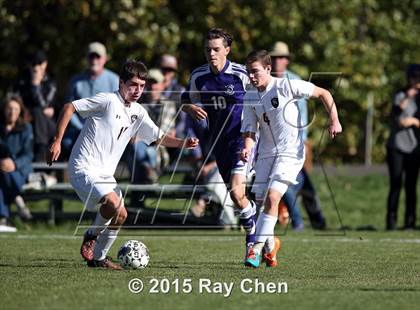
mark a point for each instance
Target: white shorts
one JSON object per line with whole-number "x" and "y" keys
{"x": 239, "y": 170}
{"x": 92, "y": 189}
{"x": 275, "y": 173}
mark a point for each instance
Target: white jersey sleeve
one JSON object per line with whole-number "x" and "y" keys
{"x": 90, "y": 106}
{"x": 249, "y": 117}
{"x": 301, "y": 89}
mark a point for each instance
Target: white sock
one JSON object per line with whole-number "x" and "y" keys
{"x": 248, "y": 211}
{"x": 104, "y": 243}
{"x": 265, "y": 229}
{"x": 99, "y": 224}
{"x": 258, "y": 247}
{"x": 269, "y": 244}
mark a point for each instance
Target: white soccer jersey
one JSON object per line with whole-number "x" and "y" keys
{"x": 109, "y": 127}
{"x": 275, "y": 113}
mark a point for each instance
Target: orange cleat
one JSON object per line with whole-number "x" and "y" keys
{"x": 271, "y": 258}
{"x": 86, "y": 250}
{"x": 105, "y": 263}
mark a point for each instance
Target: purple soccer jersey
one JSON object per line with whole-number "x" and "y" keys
{"x": 221, "y": 96}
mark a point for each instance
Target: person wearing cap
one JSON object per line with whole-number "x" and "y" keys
{"x": 403, "y": 150}
{"x": 38, "y": 92}
{"x": 95, "y": 79}
{"x": 149, "y": 159}
{"x": 169, "y": 67}
{"x": 280, "y": 56}
{"x": 173, "y": 89}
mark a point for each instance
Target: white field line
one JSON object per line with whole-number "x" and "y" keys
{"x": 216, "y": 238}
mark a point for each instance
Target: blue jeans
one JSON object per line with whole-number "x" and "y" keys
{"x": 10, "y": 186}
{"x": 144, "y": 156}
{"x": 290, "y": 199}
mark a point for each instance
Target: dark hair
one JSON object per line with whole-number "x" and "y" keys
{"x": 37, "y": 58}
{"x": 217, "y": 33}
{"x": 413, "y": 73}
{"x": 133, "y": 68}
{"x": 23, "y": 116}
{"x": 261, "y": 56}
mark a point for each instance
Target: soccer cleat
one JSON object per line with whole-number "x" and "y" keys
{"x": 104, "y": 263}
{"x": 86, "y": 250}
{"x": 271, "y": 257}
{"x": 248, "y": 248}
{"x": 253, "y": 259}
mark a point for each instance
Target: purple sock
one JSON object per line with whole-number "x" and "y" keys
{"x": 249, "y": 225}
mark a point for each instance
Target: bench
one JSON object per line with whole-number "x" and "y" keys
{"x": 61, "y": 191}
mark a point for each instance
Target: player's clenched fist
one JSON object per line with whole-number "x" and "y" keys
{"x": 196, "y": 112}
{"x": 191, "y": 143}
{"x": 335, "y": 128}
{"x": 54, "y": 152}
{"x": 245, "y": 154}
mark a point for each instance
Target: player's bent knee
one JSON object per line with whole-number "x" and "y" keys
{"x": 273, "y": 200}
{"x": 122, "y": 215}
{"x": 119, "y": 218}
{"x": 113, "y": 201}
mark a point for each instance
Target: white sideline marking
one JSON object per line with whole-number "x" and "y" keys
{"x": 217, "y": 238}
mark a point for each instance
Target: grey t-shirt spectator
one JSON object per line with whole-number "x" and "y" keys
{"x": 403, "y": 139}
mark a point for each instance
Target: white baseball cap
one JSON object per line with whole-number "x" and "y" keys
{"x": 97, "y": 48}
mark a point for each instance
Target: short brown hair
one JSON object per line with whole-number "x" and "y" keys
{"x": 133, "y": 68}
{"x": 261, "y": 56}
{"x": 217, "y": 33}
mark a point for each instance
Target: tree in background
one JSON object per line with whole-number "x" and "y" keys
{"x": 369, "y": 41}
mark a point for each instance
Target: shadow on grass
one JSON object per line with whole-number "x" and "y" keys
{"x": 390, "y": 289}
{"x": 44, "y": 263}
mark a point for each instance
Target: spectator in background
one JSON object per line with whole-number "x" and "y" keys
{"x": 169, "y": 67}
{"x": 280, "y": 56}
{"x": 38, "y": 92}
{"x": 403, "y": 150}
{"x": 172, "y": 91}
{"x": 16, "y": 142}
{"x": 95, "y": 79}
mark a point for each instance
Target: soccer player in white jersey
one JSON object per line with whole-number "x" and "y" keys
{"x": 112, "y": 120}
{"x": 270, "y": 108}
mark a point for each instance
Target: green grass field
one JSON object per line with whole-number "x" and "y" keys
{"x": 357, "y": 268}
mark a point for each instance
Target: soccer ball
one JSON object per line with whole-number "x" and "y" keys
{"x": 133, "y": 255}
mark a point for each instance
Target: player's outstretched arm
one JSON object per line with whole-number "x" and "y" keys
{"x": 328, "y": 101}
{"x": 63, "y": 121}
{"x": 170, "y": 141}
{"x": 195, "y": 111}
{"x": 249, "y": 140}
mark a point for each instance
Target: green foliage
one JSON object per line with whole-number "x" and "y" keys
{"x": 369, "y": 41}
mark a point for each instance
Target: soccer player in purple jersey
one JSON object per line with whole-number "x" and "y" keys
{"x": 215, "y": 93}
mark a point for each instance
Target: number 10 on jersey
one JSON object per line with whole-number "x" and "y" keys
{"x": 219, "y": 102}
